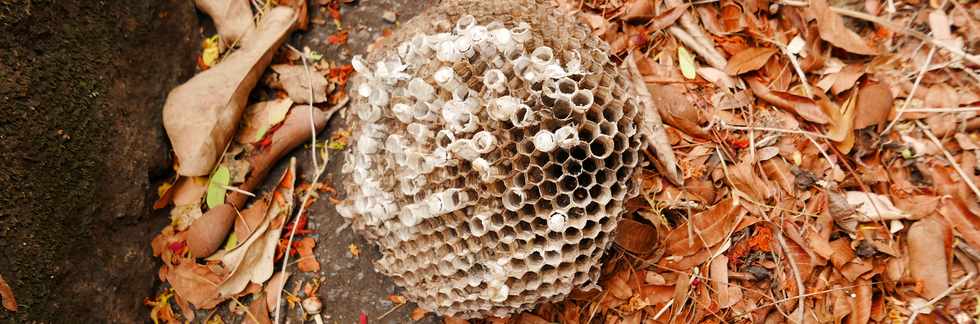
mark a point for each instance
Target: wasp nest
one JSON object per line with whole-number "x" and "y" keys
{"x": 493, "y": 147}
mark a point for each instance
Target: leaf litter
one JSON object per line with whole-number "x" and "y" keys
{"x": 825, "y": 154}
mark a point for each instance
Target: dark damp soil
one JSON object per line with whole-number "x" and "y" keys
{"x": 81, "y": 86}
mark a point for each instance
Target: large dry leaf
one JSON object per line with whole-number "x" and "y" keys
{"x": 7, "y": 295}
{"x": 195, "y": 283}
{"x": 274, "y": 287}
{"x": 847, "y": 77}
{"x": 802, "y": 106}
{"x": 874, "y": 104}
{"x": 872, "y": 207}
{"x": 719, "y": 280}
{"x": 251, "y": 218}
{"x": 861, "y": 303}
{"x": 666, "y": 18}
{"x": 296, "y": 82}
{"x": 749, "y": 59}
{"x": 744, "y": 178}
{"x": 709, "y": 227}
{"x": 636, "y": 237}
{"x": 232, "y": 18}
{"x": 675, "y": 108}
{"x": 831, "y": 28}
{"x": 929, "y": 243}
{"x": 202, "y": 114}
{"x": 260, "y": 117}
{"x": 258, "y": 311}
{"x": 252, "y": 261}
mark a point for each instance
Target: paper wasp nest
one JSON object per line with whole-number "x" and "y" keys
{"x": 493, "y": 149}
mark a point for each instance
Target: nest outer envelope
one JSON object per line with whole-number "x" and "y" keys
{"x": 490, "y": 255}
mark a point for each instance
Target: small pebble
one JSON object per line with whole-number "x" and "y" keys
{"x": 389, "y": 16}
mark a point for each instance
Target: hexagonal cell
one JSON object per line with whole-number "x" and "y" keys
{"x": 580, "y": 197}
{"x": 579, "y": 152}
{"x": 562, "y": 109}
{"x": 630, "y": 158}
{"x": 620, "y": 142}
{"x": 548, "y": 189}
{"x": 563, "y": 200}
{"x": 585, "y": 180}
{"x": 601, "y": 147}
{"x": 567, "y": 183}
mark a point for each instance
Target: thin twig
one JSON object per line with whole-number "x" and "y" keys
{"x": 309, "y": 79}
{"x": 965, "y": 176}
{"x": 302, "y": 208}
{"x": 236, "y": 189}
{"x": 943, "y": 110}
{"x": 796, "y": 274}
{"x": 915, "y": 86}
{"x": 770, "y": 129}
{"x": 917, "y": 310}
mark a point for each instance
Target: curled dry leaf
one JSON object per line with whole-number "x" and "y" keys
{"x": 872, "y": 207}
{"x": 7, "y": 295}
{"x": 710, "y": 227}
{"x": 274, "y": 287}
{"x": 831, "y": 28}
{"x": 676, "y": 109}
{"x": 232, "y": 18}
{"x": 201, "y": 115}
{"x": 253, "y": 260}
{"x": 258, "y": 311}
{"x": 930, "y": 243}
{"x": 259, "y": 118}
{"x": 847, "y": 77}
{"x": 296, "y": 82}
{"x": 744, "y": 178}
{"x": 195, "y": 283}
{"x": 749, "y": 59}
{"x": 874, "y": 104}
{"x": 251, "y": 218}
{"x": 802, "y": 106}
{"x": 636, "y": 237}
{"x": 861, "y": 303}
{"x": 208, "y": 232}
{"x": 666, "y": 18}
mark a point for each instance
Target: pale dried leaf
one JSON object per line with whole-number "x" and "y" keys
{"x": 195, "y": 283}
{"x": 929, "y": 241}
{"x": 872, "y": 207}
{"x": 232, "y": 18}
{"x": 296, "y": 82}
{"x": 749, "y": 59}
{"x": 831, "y": 28}
{"x": 201, "y": 115}
{"x": 259, "y": 118}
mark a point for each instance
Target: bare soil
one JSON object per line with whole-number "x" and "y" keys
{"x": 81, "y": 87}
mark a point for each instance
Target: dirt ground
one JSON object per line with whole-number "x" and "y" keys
{"x": 82, "y": 149}
{"x": 80, "y": 144}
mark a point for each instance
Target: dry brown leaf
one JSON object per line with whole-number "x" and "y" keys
{"x": 232, "y": 18}
{"x": 874, "y": 104}
{"x": 207, "y": 233}
{"x": 744, "y": 178}
{"x": 307, "y": 259}
{"x": 732, "y": 18}
{"x": 831, "y": 28}
{"x": 802, "y": 106}
{"x": 749, "y": 59}
{"x": 676, "y": 110}
{"x": 251, "y": 218}
{"x": 666, "y": 18}
{"x": 618, "y": 286}
{"x": 253, "y": 259}
{"x": 711, "y": 227}
{"x": 260, "y": 117}
{"x": 930, "y": 243}
{"x": 636, "y": 237}
{"x": 274, "y": 287}
{"x": 195, "y": 283}
{"x": 294, "y": 80}
{"x": 847, "y": 77}
{"x": 201, "y": 115}
{"x": 258, "y": 311}
{"x": 872, "y": 207}
{"x": 842, "y": 126}
{"x": 861, "y": 303}
{"x": 7, "y": 295}
{"x": 719, "y": 280}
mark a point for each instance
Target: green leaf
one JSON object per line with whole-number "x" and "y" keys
{"x": 232, "y": 241}
{"x": 216, "y": 187}
{"x": 261, "y": 133}
{"x": 314, "y": 56}
{"x": 687, "y": 63}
